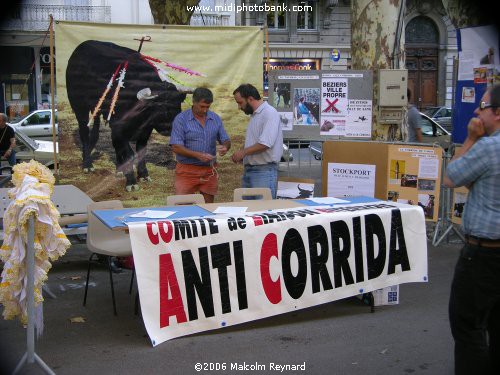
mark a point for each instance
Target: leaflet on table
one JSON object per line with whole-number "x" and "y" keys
{"x": 230, "y": 210}
{"x": 327, "y": 200}
{"x": 152, "y": 214}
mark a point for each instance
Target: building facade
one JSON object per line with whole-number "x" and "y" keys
{"x": 319, "y": 36}
{"x": 24, "y": 41}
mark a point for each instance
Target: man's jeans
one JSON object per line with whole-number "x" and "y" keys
{"x": 475, "y": 311}
{"x": 11, "y": 159}
{"x": 265, "y": 175}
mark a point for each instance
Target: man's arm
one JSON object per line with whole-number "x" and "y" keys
{"x": 251, "y": 150}
{"x": 418, "y": 133}
{"x": 202, "y": 156}
{"x": 224, "y": 148}
{"x": 11, "y": 147}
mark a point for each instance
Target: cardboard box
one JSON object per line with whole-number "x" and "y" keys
{"x": 386, "y": 296}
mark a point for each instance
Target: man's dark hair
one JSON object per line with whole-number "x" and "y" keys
{"x": 246, "y": 90}
{"x": 201, "y": 93}
{"x": 495, "y": 96}
{"x": 408, "y": 94}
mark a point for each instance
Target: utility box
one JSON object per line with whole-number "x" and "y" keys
{"x": 392, "y": 96}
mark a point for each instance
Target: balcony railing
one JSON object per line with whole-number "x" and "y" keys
{"x": 210, "y": 19}
{"x": 35, "y": 17}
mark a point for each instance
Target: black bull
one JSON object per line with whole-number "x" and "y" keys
{"x": 90, "y": 68}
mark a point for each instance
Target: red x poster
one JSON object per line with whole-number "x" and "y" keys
{"x": 334, "y": 102}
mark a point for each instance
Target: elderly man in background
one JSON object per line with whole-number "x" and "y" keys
{"x": 475, "y": 292}
{"x": 7, "y": 140}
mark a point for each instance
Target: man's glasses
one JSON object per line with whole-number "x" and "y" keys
{"x": 484, "y": 105}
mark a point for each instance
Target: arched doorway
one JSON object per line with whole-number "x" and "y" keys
{"x": 421, "y": 44}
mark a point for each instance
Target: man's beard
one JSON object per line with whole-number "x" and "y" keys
{"x": 248, "y": 110}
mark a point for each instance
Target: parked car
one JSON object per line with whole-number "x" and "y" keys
{"x": 440, "y": 136}
{"x": 442, "y": 115}
{"x": 41, "y": 151}
{"x": 287, "y": 154}
{"x": 432, "y": 132}
{"x": 37, "y": 125}
{"x": 296, "y": 143}
{"x": 316, "y": 149}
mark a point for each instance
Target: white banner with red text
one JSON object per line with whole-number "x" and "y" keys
{"x": 198, "y": 274}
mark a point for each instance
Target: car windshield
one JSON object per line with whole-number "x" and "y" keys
{"x": 431, "y": 128}
{"x": 27, "y": 140}
{"x": 40, "y": 117}
{"x": 431, "y": 111}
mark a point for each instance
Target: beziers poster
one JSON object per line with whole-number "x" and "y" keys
{"x": 207, "y": 273}
{"x": 119, "y": 87}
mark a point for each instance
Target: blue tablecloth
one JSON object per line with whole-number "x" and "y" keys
{"x": 119, "y": 218}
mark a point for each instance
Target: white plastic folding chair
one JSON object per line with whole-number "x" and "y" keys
{"x": 72, "y": 203}
{"x": 180, "y": 200}
{"x": 241, "y": 194}
{"x": 103, "y": 241}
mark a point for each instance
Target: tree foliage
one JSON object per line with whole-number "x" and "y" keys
{"x": 172, "y": 12}
{"x": 467, "y": 13}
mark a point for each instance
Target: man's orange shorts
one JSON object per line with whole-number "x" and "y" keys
{"x": 190, "y": 179}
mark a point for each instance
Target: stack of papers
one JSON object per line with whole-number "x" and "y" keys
{"x": 152, "y": 214}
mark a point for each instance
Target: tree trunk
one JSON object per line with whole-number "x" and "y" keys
{"x": 374, "y": 27}
{"x": 170, "y": 12}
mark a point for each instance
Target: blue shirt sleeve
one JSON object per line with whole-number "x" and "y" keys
{"x": 177, "y": 134}
{"x": 469, "y": 167}
{"x": 222, "y": 135}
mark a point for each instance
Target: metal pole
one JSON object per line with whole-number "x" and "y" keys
{"x": 447, "y": 209}
{"x": 30, "y": 356}
{"x": 52, "y": 97}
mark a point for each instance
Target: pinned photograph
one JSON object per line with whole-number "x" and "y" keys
{"x": 306, "y": 107}
{"x": 426, "y": 201}
{"x": 409, "y": 180}
{"x": 286, "y": 120}
{"x": 458, "y": 203}
{"x": 398, "y": 168}
{"x": 426, "y": 185}
{"x": 282, "y": 94}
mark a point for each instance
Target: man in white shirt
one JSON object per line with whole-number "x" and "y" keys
{"x": 263, "y": 142}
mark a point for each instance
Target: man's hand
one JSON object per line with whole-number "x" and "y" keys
{"x": 238, "y": 156}
{"x": 475, "y": 129}
{"x": 221, "y": 149}
{"x": 204, "y": 157}
{"x": 7, "y": 153}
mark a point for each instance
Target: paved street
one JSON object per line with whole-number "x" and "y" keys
{"x": 341, "y": 337}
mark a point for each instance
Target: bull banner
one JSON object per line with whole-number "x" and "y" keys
{"x": 200, "y": 274}
{"x": 119, "y": 87}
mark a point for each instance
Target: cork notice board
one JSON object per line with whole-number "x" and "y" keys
{"x": 403, "y": 173}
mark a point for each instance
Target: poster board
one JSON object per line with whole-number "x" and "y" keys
{"x": 403, "y": 173}
{"x": 323, "y": 105}
{"x": 478, "y": 69}
{"x": 370, "y": 153}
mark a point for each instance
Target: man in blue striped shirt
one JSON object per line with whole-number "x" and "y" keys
{"x": 475, "y": 292}
{"x": 194, "y": 138}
